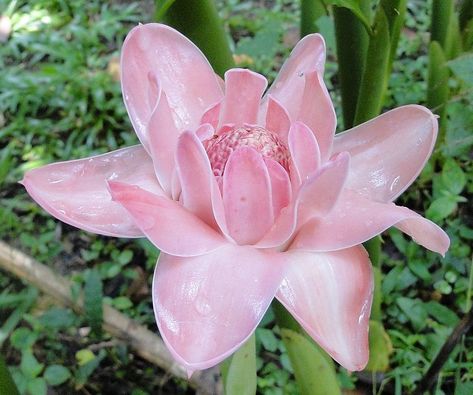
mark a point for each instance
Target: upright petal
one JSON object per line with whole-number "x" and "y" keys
{"x": 157, "y": 54}
{"x": 356, "y": 219}
{"x": 247, "y": 196}
{"x": 305, "y": 152}
{"x": 207, "y": 306}
{"x": 200, "y": 192}
{"x": 281, "y": 192}
{"x": 330, "y": 295}
{"x": 168, "y": 225}
{"x": 317, "y": 112}
{"x": 243, "y": 91}
{"x": 288, "y": 88}
{"x": 378, "y": 170}
{"x": 162, "y": 136}
{"x": 277, "y": 119}
{"x": 76, "y": 192}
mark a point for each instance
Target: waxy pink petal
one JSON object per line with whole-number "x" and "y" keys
{"x": 366, "y": 219}
{"x": 277, "y": 119}
{"x": 155, "y": 54}
{"x": 200, "y": 192}
{"x": 305, "y": 152}
{"x": 76, "y": 191}
{"x": 168, "y": 225}
{"x": 247, "y": 196}
{"x": 330, "y": 295}
{"x": 207, "y": 306}
{"x": 243, "y": 92}
{"x": 281, "y": 193}
{"x": 389, "y": 152}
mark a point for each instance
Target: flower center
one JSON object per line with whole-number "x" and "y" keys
{"x": 267, "y": 143}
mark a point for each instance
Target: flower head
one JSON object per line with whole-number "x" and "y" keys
{"x": 249, "y": 196}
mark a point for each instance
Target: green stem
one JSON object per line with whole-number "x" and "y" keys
{"x": 7, "y": 385}
{"x": 395, "y": 11}
{"x": 311, "y": 10}
{"x": 442, "y": 11}
{"x": 352, "y": 43}
{"x": 199, "y": 21}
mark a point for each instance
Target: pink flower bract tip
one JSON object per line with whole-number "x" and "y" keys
{"x": 248, "y": 194}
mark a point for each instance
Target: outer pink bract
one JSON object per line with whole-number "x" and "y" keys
{"x": 279, "y": 210}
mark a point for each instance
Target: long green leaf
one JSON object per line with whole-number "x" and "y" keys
{"x": 356, "y": 8}
{"x": 374, "y": 81}
{"x": 199, "y": 21}
{"x": 93, "y": 301}
{"x": 7, "y": 385}
{"x": 352, "y": 44}
{"x": 239, "y": 371}
{"x": 315, "y": 375}
{"x": 311, "y": 10}
{"x": 395, "y": 11}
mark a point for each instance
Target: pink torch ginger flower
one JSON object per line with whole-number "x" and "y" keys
{"x": 248, "y": 195}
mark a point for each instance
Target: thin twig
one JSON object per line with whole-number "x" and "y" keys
{"x": 431, "y": 376}
{"x": 141, "y": 340}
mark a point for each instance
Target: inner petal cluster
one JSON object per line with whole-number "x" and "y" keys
{"x": 267, "y": 143}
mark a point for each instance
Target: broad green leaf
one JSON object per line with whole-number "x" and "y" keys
{"x": 23, "y": 338}
{"x": 353, "y": 6}
{"x": 125, "y": 257}
{"x": 29, "y": 365}
{"x": 453, "y": 176}
{"x": 239, "y": 371}
{"x": 122, "y": 303}
{"x": 464, "y": 388}
{"x": 380, "y": 348}
{"x": 58, "y": 318}
{"x": 56, "y": 374}
{"x": 441, "y": 313}
{"x": 267, "y": 338}
{"x": 315, "y": 375}
{"x": 93, "y": 294}
{"x": 37, "y": 386}
{"x": 418, "y": 267}
{"x": 87, "y": 365}
{"x": 462, "y": 68}
{"x": 415, "y": 310}
{"x": 441, "y": 208}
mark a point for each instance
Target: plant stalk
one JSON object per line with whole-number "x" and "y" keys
{"x": 7, "y": 385}
{"x": 311, "y": 10}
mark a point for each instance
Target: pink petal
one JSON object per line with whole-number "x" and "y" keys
{"x": 162, "y": 136}
{"x": 247, "y": 196}
{"x": 76, "y": 191}
{"x": 317, "y": 112}
{"x": 356, "y": 219}
{"x": 243, "y": 91}
{"x": 281, "y": 192}
{"x": 200, "y": 192}
{"x": 207, "y": 306}
{"x": 277, "y": 119}
{"x": 288, "y": 88}
{"x": 305, "y": 152}
{"x": 389, "y": 152}
{"x": 315, "y": 198}
{"x": 320, "y": 193}
{"x": 155, "y": 52}
{"x": 212, "y": 114}
{"x": 167, "y": 224}
{"x": 330, "y": 295}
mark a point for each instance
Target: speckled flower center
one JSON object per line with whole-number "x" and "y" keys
{"x": 267, "y": 143}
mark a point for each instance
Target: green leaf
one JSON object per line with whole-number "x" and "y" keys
{"x": 438, "y": 91}
{"x": 464, "y": 388}
{"x": 419, "y": 269}
{"x": 93, "y": 294}
{"x": 462, "y": 67}
{"x": 441, "y": 313}
{"x": 7, "y": 385}
{"x": 315, "y": 375}
{"x": 125, "y": 257}
{"x": 29, "y": 365}
{"x": 453, "y": 176}
{"x": 441, "y": 208}
{"x": 23, "y": 338}
{"x": 58, "y": 318}
{"x": 122, "y": 303}
{"x": 84, "y": 356}
{"x": 415, "y": 311}
{"x": 267, "y": 338}
{"x": 37, "y": 386}
{"x": 353, "y": 6}
{"x": 239, "y": 371}
{"x": 56, "y": 374}
{"x": 380, "y": 348}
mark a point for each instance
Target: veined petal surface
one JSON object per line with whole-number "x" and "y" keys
{"x": 388, "y": 152}
{"x": 330, "y": 295}
{"x": 167, "y": 224}
{"x": 157, "y": 54}
{"x": 207, "y": 306}
{"x": 76, "y": 191}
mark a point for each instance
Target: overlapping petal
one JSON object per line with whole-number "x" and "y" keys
{"x": 207, "y": 306}
{"x": 76, "y": 191}
{"x": 389, "y": 152}
{"x": 330, "y": 295}
{"x": 356, "y": 219}
{"x": 156, "y": 57}
{"x": 167, "y": 224}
